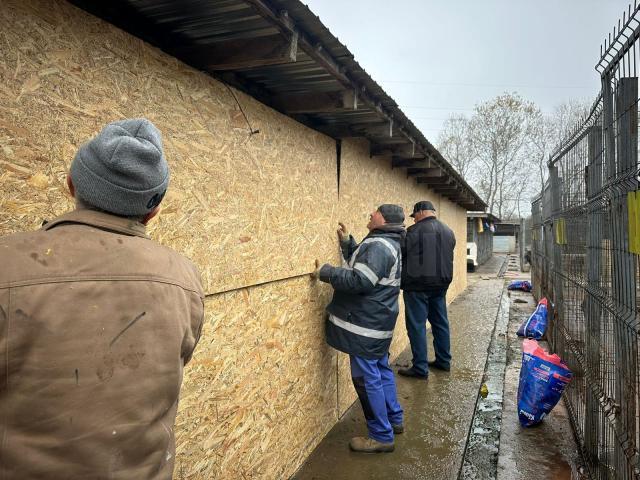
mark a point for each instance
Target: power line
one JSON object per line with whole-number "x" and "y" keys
{"x": 439, "y": 108}
{"x": 421, "y": 107}
{"x": 490, "y": 85}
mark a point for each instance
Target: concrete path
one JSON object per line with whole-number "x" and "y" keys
{"x": 546, "y": 451}
{"x": 438, "y": 413}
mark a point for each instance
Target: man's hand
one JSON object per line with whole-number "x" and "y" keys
{"x": 315, "y": 275}
{"x": 343, "y": 233}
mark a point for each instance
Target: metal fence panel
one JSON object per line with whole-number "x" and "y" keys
{"x": 585, "y": 260}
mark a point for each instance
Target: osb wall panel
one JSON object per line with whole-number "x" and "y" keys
{"x": 456, "y": 218}
{"x": 263, "y": 388}
{"x": 238, "y": 205}
{"x": 366, "y": 182}
{"x": 260, "y": 391}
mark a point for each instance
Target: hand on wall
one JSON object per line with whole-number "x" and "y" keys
{"x": 315, "y": 275}
{"x": 343, "y": 233}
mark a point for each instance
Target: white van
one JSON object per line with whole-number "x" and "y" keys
{"x": 472, "y": 256}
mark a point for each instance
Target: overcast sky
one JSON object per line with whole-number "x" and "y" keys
{"x": 438, "y": 57}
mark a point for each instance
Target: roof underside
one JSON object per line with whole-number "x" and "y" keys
{"x": 489, "y": 216}
{"x": 279, "y": 52}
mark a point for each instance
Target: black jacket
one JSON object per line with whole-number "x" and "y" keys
{"x": 427, "y": 255}
{"x": 364, "y": 308}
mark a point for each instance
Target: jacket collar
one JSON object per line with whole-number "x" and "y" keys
{"x": 103, "y": 220}
{"x": 392, "y": 233}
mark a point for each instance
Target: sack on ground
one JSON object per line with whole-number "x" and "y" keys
{"x": 536, "y": 325}
{"x": 523, "y": 285}
{"x": 543, "y": 378}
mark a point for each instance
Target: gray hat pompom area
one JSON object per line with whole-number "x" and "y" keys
{"x": 122, "y": 170}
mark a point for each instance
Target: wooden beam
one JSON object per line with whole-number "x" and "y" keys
{"x": 384, "y": 130}
{"x": 401, "y": 150}
{"x": 424, "y": 172}
{"x": 328, "y": 102}
{"x": 401, "y": 162}
{"x": 241, "y": 53}
{"x": 448, "y": 192}
{"x": 334, "y": 131}
{"x": 434, "y": 180}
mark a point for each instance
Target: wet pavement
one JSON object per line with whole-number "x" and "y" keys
{"x": 442, "y": 421}
{"x": 438, "y": 413}
{"x": 548, "y": 450}
{"x": 480, "y": 459}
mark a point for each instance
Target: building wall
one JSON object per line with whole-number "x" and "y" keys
{"x": 504, "y": 244}
{"x": 253, "y": 212}
{"x": 485, "y": 246}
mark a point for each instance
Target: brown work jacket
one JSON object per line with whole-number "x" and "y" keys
{"x": 96, "y": 324}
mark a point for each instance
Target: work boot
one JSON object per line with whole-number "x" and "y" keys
{"x": 410, "y": 372}
{"x": 398, "y": 428}
{"x": 369, "y": 445}
{"x": 439, "y": 366}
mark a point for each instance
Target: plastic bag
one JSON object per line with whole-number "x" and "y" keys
{"x": 543, "y": 378}
{"x": 536, "y": 324}
{"x": 523, "y": 285}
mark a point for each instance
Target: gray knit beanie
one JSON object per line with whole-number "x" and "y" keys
{"x": 122, "y": 170}
{"x": 391, "y": 213}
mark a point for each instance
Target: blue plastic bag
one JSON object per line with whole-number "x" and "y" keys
{"x": 536, "y": 324}
{"x": 543, "y": 378}
{"x": 523, "y": 285}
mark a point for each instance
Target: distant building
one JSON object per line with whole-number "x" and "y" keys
{"x": 506, "y": 236}
{"x": 480, "y": 231}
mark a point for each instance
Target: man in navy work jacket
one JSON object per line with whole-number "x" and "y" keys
{"x": 362, "y": 316}
{"x": 428, "y": 270}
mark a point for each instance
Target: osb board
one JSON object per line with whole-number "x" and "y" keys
{"x": 246, "y": 209}
{"x": 260, "y": 391}
{"x": 366, "y": 182}
{"x": 456, "y": 218}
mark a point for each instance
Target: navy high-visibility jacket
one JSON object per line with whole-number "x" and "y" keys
{"x": 364, "y": 308}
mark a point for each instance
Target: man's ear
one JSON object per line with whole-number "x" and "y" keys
{"x": 151, "y": 214}
{"x": 72, "y": 188}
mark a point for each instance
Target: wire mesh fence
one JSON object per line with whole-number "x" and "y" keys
{"x": 585, "y": 246}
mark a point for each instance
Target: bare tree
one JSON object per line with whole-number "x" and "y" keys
{"x": 454, "y": 142}
{"x": 499, "y": 131}
{"x": 503, "y": 149}
{"x": 550, "y": 130}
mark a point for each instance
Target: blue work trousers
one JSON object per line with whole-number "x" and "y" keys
{"x": 376, "y": 388}
{"x": 418, "y": 307}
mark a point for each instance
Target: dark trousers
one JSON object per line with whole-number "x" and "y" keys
{"x": 420, "y": 306}
{"x": 376, "y": 388}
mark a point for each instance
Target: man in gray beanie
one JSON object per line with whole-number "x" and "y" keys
{"x": 361, "y": 319}
{"x": 96, "y": 323}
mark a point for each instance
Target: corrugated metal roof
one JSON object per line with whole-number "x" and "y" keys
{"x": 280, "y": 52}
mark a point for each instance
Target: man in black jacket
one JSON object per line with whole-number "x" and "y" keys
{"x": 428, "y": 270}
{"x": 362, "y": 316}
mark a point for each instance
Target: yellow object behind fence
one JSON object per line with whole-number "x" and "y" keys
{"x": 561, "y": 231}
{"x": 633, "y": 214}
